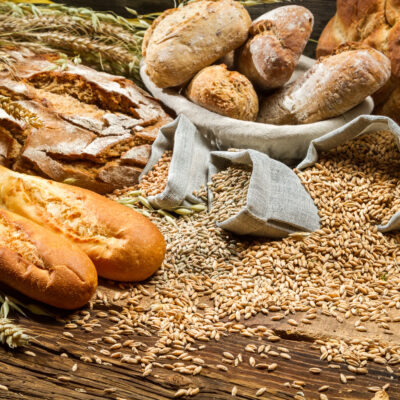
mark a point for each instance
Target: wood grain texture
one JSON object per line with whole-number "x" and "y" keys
{"x": 37, "y": 377}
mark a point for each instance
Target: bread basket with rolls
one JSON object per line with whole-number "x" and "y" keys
{"x": 254, "y": 89}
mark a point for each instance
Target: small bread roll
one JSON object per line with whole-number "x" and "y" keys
{"x": 123, "y": 244}
{"x": 184, "y": 40}
{"x": 277, "y": 40}
{"x": 43, "y": 265}
{"x": 224, "y": 92}
{"x": 334, "y": 85}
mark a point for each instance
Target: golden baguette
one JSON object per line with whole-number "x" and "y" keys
{"x": 123, "y": 244}
{"x": 43, "y": 265}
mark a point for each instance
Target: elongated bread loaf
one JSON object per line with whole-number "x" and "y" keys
{"x": 44, "y": 265}
{"x": 182, "y": 41}
{"x": 376, "y": 23}
{"x": 334, "y": 85}
{"x": 277, "y": 40}
{"x": 123, "y": 244}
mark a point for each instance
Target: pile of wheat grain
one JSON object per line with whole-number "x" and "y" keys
{"x": 212, "y": 283}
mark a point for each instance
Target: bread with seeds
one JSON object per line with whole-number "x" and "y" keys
{"x": 123, "y": 244}
{"x": 43, "y": 265}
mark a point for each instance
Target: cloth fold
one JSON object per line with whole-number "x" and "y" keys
{"x": 359, "y": 126}
{"x": 277, "y": 203}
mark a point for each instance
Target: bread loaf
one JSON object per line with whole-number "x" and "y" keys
{"x": 377, "y": 24}
{"x": 334, "y": 85}
{"x": 43, "y": 265}
{"x": 224, "y": 92}
{"x": 93, "y": 123}
{"x": 184, "y": 40}
{"x": 123, "y": 244}
{"x": 277, "y": 40}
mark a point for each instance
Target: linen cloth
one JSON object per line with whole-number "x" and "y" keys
{"x": 286, "y": 143}
{"x": 277, "y": 203}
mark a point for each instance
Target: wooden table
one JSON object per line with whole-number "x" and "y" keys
{"x": 37, "y": 377}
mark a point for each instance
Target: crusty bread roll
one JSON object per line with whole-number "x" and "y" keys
{"x": 277, "y": 40}
{"x": 184, "y": 40}
{"x": 123, "y": 244}
{"x": 334, "y": 85}
{"x": 43, "y": 265}
{"x": 377, "y": 24}
{"x": 225, "y": 92}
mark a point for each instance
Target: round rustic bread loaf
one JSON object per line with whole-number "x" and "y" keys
{"x": 225, "y": 92}
{"x": 277, "y": 40}
{"x": 377, "y": 24}
{"x": 184, "y": 40}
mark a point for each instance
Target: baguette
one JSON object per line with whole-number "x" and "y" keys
{"x": 43, "y": 265}
{"x": 277, "y": 40}
{"x": 182, "y": 41}
{"x": 123, "y": 244}
{"x": 334, "y": 85}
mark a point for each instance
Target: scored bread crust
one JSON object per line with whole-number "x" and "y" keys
{"x": 375, "y": 23}
{"x": 92, "y": 123}
{"x": 277, "y": 40}
{"x": 224, "y": 92}
{"x": 184, "y": 40}
{"x": 123, "y": 244}
{"x": 334, "y": 85}
{"x": 43, "y": 265}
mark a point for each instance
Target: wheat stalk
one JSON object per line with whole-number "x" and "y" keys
{"x": 136, "y": 198}
{"x": 17, "y": 111}
{"x": 69, "y": 24}
{"x": 12, "y": 335}
{"x": 102, "y": 40}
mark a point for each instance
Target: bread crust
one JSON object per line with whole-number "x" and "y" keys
{"x": 334, "y": 85}
{"x": 123, "y": 244}
{"x": 277, "y": 40}
{"x": 372, "y": 22}
{"x": 90, "y": 122}
{"x": 224, "y": 92}
{"x": 182, "y": 41}
{"x": 43, "y": 265}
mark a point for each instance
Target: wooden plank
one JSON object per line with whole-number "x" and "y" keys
{"x": 36, "y": 377}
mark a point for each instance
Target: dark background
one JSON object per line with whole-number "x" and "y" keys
{"x": 323, "y": 10}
